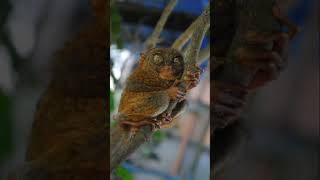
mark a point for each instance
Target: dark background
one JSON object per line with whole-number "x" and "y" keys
{"x": 31, "y": 32}
{"x": 283, "y": 116}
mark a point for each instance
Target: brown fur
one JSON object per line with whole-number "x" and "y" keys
{"x": 147, "y": 95}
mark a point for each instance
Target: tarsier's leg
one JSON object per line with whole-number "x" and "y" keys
{"x": 167, "y": 119}
{"x": 133, "y": 126}
{"x": 192, "y": 79}
{"x": 180, "y": 107}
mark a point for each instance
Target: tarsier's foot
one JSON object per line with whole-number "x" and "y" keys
{"x": 293, "y": 29}
{"x": 268, "y": 64}
{"x": 134, "y": 126}
{"x": 193, "y": 77}
{"x": 165, "y": 119}
{"x": 176, "y": 93}
{"x": 228, "y": 103}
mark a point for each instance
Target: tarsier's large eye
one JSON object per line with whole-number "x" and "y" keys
{"x": 177, "y": 61}
{"x": 157, "y": 59}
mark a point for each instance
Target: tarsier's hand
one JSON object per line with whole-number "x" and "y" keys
{"x": 267, "y": 64}
{"x": 193, "y": 77}
{"x": 176, "y": 93}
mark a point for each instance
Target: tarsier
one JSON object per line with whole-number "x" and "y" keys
{"x": 151, "y": 87}
{"x": 229, "y": 99}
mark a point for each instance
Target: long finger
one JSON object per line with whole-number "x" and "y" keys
{"x": 252, "y": 57}
{"x": 281, "y": 47}
{"x": 261, "y": 38}
{"x": 229, "y": 100}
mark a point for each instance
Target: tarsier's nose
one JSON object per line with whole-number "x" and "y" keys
{"x": 167, "y": 68}
{"x": 166, "y": 72}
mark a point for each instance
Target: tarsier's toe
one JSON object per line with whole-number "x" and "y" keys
{"x": 268, "y": 64}
{"x": 156, "y": 125}
{"x": 167, "y": 117}
{"x": 223, "y": 115}
{"x": 176, "y": 93}
{"x": 228, "y": 105}
{"x": 193, "y": 77}
{"x": 180, "y": 95}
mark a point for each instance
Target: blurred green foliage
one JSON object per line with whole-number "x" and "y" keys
{"x": 112, "y": 104}
{"x": 116, "y": 26}
{"x": 5, "y": 125}
{"x": 123, "y": 173}
{"x": 158, "y": 136}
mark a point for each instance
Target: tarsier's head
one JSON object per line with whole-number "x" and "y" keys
{"x": 167, "y": 62}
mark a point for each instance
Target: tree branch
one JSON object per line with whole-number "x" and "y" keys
{"x": 203, "y": 55}
{"x": 154, "y": 38}
{"x": 121, "y": 145}
{"x": 186, "y": 35}
{"x": 192, "y": 52}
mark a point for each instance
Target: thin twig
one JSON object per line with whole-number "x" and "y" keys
{"x": 197, "y": 37}
{"x": 154, "y": 38}
{"x": 186, "y": 35}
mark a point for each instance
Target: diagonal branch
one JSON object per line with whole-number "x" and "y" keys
{"x": 203, "y": 55}
{"x": 121, "y": 148}
{"x": 186, "y": 35}
{"x": 192, "y": 52}
{"x": 154, "y": 38}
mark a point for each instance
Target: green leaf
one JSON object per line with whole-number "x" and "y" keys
{"x": 116, "y": 26}
{"x": 5, "y": 126}
{"x": 115, "y": 20}
{"x": 119, "y": 43}
{"x": 123, "y": 173}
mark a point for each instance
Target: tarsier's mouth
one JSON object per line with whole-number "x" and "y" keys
{"x": 167, "y": 73}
